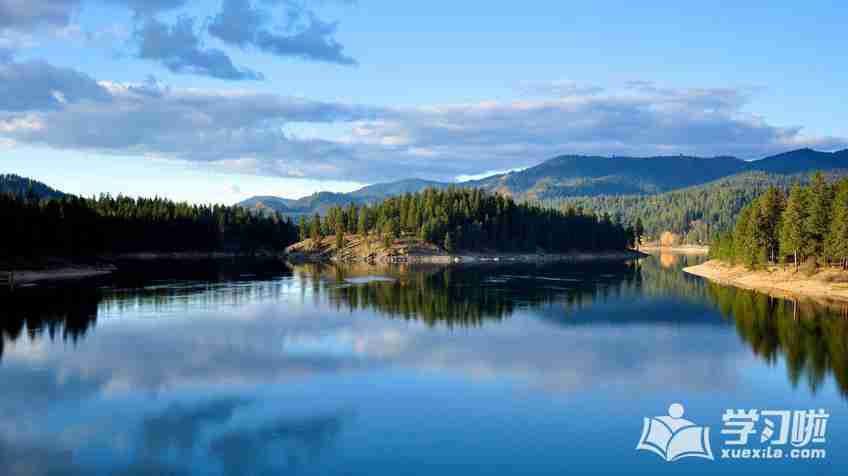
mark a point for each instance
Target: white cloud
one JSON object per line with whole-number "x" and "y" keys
{"x": 275, "y": 135}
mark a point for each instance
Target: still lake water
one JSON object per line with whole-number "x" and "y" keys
{"x": 544, "y": 369}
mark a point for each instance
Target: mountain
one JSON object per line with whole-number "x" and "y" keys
{"x": 21, "y": 186}
{"x": 383, "y": 190}
{"x": 582, "y": 176}
{"x": 694, "y": 213}
{"x": 802, "y": 160}
{"x": 322, "y": 201}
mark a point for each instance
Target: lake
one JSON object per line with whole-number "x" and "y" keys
{"x": 495, "y": 369}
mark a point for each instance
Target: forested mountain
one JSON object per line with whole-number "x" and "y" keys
{"x": 322, "y": 201}
{"x": 470, "y": 219}
{"x": 576, "y": 175}
{"x": 696, "y": 213}
{"x": 22, "y": 186}
{"x": 581, "y": 176}
{"x": 382, "y": 190}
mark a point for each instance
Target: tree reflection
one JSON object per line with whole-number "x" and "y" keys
{"x": 466, "y": 296}
{"x": 66, "y": 314}
{"x": 812, "y": 337}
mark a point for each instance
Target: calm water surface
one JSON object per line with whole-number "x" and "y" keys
{"x": 466, "y": 370}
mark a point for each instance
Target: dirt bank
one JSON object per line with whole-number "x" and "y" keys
{"x": 357, "y": 249}
{"x": 828, "y": 284}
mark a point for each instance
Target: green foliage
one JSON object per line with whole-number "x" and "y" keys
{"x": 836, "y": 242}
{"x": 477, "y": 220}
{"x": 794, "y": 236}
{"x": 698, "y": 214}
{"x": 808, "y": 226}
{"x": 77, "y": 227}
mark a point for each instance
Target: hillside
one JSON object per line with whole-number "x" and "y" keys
{"x": 696, "y": 213}
{"x": 576, "y": 175}
{"x": 21, "y": 186}
{"x": 580, "y": 176}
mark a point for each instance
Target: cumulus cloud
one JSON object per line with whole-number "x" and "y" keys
{"x": 37, "y": 85}
{"x": 235, "y": 129}
{"x": 28, "y": 14}
{"x": 246, "y": 132}
{"x": 180, "y": 50}
{"x": 306, "y": 36}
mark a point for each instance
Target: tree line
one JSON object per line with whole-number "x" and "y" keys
{"x": 76, "y": 227}
{"x": 471, "y": 219}
{"x": 697, "y": 214}
{"x": 809, "y": 224}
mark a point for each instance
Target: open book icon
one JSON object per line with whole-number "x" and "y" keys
{"x": 673, "y": 437}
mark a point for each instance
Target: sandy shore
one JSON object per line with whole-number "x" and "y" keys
{"x": 682, "y": 249}
{"x": 828, "y": 285}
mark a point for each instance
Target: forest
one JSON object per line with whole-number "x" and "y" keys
{"x": 79, "y": 227}
{"x": 809, "y": 226}
{"x": 471, "y": 219}
{"x": 697, "y": 214}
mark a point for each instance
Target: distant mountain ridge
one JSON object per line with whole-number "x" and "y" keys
{"x": 21, "y": 186}
{"x": 580, "y": 176}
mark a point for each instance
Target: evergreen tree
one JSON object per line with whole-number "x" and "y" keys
{"x": 315, "y": 231}
{"x": 303, "y": 230}
{"x": 638, "y": 232}
{"x": 820, "y": 198}
{"x": 340, "y": 236}
{"x": 771, "y": 206}
{"x": 836, "y": 243}
{"x": 794, "y": 237}
{"x": 448, "y": 244}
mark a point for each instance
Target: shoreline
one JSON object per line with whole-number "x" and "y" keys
{"x": 775, "y": 281}
{"x": 25, "y": 277}
{"x": 477, "y": 258}
{"x": 64, "y": 270}
{"x": 682, "y": 249}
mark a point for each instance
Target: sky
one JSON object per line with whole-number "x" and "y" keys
{"x": 217, "y": 101}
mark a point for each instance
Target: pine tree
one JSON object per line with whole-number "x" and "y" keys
{"x": 362, "y": 225}
{"x": 340, "y": 236}
{"x": 315, "y": 231}
{"x": 794, "y": 238}
{"x": 820, "y": 198}
{"x": 303, "y": 231}
{"x": 638, "y": 232}
{"x": 448, "y": 244}
{"x": 771, "y": 208}
{"x": 836, "y": 242}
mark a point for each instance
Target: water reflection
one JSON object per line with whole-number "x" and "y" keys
{"x": 811, "y": 337}
{"x": 325, "y": 370}
{"x": 468, "y": 296}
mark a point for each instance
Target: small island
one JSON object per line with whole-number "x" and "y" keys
{"x": 459, "y": 225}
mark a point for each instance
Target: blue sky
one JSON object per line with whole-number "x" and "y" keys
{"x": 215, "y": 101}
